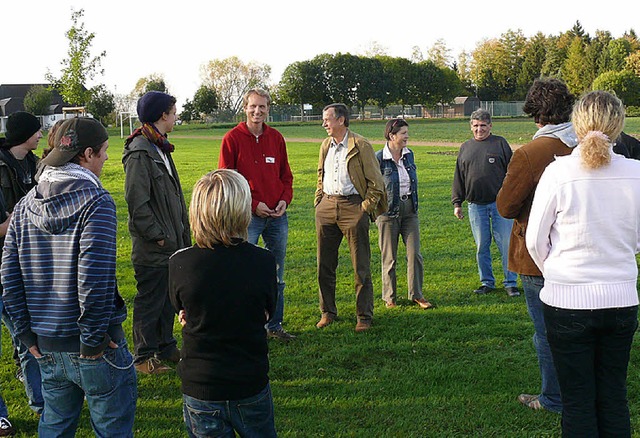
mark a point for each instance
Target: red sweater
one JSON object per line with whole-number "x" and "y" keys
{"x": 262, "y": 161}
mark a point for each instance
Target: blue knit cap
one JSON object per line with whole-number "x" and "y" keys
{"x": 152, "y": 105}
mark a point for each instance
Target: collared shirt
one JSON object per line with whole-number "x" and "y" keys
{"x": 336, "y": 179}
{"x": 403, "y": 175}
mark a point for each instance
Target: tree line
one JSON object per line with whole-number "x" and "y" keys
{"x": 497, "y": 69}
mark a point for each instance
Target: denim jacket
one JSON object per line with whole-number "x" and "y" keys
{"x": 389, "y": 171}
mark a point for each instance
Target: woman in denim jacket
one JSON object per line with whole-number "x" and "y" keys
{"x": 399, "y": 172}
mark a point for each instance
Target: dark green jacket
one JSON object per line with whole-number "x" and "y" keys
{"x": 157, "y": 210}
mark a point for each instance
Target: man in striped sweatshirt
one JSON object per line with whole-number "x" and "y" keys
{"x": 58, "y": 274}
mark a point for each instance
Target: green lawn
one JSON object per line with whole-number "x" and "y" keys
{"x": 448, "y": 372}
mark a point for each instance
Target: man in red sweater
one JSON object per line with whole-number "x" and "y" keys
{"x": 259, "y": 153}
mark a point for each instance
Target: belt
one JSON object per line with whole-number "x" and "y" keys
{"x": 405, "y": 197}
{"x": 340, "y": 196}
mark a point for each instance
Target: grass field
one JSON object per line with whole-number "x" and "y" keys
{"x": 453, "y": 371}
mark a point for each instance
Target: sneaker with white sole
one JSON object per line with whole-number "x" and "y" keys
{"x": 6, "y": 429}
{"x": 280, "y": 334}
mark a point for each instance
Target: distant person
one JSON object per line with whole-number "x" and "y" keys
{"x": 59, "y": 277}
{"x": 259, "y": 153}
{"x": 350, "y": 192}
{"x": 549, "y": 102}
{"x": 398, "y": 169}
{"x": 159, "y": 226}
{"x": 583, "y": 234}
{"x": 225, "y": 291}
{"x": 480, "y": 168}
{"x": 17, "y": 176}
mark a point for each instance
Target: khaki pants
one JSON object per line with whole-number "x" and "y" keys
{"x": 390, "y": 228}
{"x": 338, "y": 216}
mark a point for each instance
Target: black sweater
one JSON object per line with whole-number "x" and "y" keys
{"x": 225, "y": 293}
{"x": 480, "y": 170}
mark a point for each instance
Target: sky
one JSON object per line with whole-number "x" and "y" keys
{"x": 175, "y": 38}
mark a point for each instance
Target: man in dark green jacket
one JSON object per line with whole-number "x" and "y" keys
{"x": 159, "y": 226}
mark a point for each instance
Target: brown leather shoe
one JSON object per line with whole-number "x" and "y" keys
{"x": 151, "y": 366}
{"x": 423, "y": 303}
{"x": 362, "y": 326}
{"x": 324, "y": 321}
{"x": 390, "y": 304}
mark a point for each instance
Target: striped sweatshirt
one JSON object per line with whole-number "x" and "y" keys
{"x": 58, "y": 268}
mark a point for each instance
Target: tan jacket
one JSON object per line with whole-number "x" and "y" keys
{"x": 516, "y": 195}
{"x": 364, "y": 172}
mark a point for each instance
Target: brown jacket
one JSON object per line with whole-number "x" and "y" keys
{"x": 516, "y": 195}
{"x": 364, "y": 172}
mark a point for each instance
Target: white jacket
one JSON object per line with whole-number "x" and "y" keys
{"x": 584, "y": 232}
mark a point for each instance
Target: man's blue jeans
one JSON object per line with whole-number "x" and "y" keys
{"x": 549, "y": 397}
{"x": 591, "y": 350}
{"x": 30, "y": 369}
{"x": 486, "y": 223}
{"x": 274, "y": 232}
{"x": 250, "y": 417}
{"x": 108, "y": 383}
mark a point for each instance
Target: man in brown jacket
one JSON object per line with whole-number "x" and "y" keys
{"x": 550, "y": 103}
{"x": 350, "y": 192}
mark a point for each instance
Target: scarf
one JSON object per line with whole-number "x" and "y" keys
{"x": 563, "y": 132}
{"x": 151, "y": 133}
{"x": 68, "y": 171}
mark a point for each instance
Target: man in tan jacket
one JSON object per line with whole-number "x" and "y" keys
{"x": 550, "y": 103}
{"x": 350, "y": 192}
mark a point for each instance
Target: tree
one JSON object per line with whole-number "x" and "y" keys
{"x": 188, "y": 111}
{"x": 625, "y": 84}
{"x": 373, "y": 49}
{"x": 574, "y": 71}
{"x": 597, "y": 55}
{"x": 79, "y": 66}
{"x": 464, "y": 71}
{"x": 416, "y": 54}
{"x": 231, "y": 78}
{"x": 440, "y": 54}
{"x": 633, "y": 63}
{"x": 205, "y": 101}
{"x": 302, "y": 83}
{"x": 37, "y": 100}
{"x": 153, "y": 82}
{"x": 496, "y": 66}
{"x": 619, "y": 49}
{"x": 102, "y": 103}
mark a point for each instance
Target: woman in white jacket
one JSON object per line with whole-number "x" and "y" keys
{"x": 583, "y": 234}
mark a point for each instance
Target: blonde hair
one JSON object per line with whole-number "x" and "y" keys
{"x": 220, "y": 209}
{"x": 260, "y": 92}
{"x": 598, "y": 119}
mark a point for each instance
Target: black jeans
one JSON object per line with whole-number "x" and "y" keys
{"x": 153, "y": 314}
{"x": 590, "y": 351}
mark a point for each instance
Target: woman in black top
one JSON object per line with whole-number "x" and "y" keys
{"x": 224, "y": 289}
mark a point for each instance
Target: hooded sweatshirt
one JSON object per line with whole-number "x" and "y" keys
{"x": 58, "y": 265}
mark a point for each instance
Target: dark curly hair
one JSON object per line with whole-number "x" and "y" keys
{"x": 549, "y": 102}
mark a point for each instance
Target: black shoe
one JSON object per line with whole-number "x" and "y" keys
{"x": 483, "y": 290}
{"x": 513, "y": 291}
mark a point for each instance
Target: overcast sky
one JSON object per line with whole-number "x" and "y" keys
{"x": 175, "y": 38}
